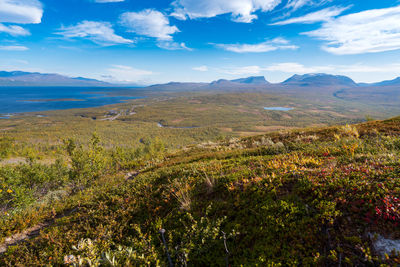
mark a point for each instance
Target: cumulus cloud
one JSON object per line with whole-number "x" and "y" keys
{"x": 149, "y": 23}
{"x": 13, "y": 48}
{"x": 101, "y": 33}
{"x": 201, "y": 68}
{"x": 267, "y": 46}
{"x": 21, "y": 11}
{"x": 14, "y": 30}
{"x": 126, "y": 74}
{"x": 369, "y": 31}
{"x": 241, "y": 10}
{"x": 326, "y": 14}
{"x": 152, "y": 23}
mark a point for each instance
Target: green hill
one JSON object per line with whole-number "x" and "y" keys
{"x": 306, "y": 197}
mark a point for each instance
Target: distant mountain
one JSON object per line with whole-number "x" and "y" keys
{"x": 320, "y": 79}
{"x": 20, "y": 78}
{"x": 310, "y": 83}
{"x": 388, "y": 83}
{"x": 221, "y": 83}
{"x": 386, "y": 92}
{"x": 6, "y": 74}
{"x": 176, "y": 86}
{"x": 320, "y": 86}
{"x": 252, "y": 80}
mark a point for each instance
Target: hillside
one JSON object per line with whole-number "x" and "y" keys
{"x": 387, "y": 95}
{"x": 389, "y": 82}
{"x": 325, "y": 196}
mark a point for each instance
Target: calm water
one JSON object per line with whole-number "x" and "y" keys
{"x": 278, "y": 108}
{"x": 19, "y": 99}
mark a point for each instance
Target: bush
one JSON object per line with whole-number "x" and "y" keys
{"x": 6, "y": 147}
{"x": 87, "y": 164}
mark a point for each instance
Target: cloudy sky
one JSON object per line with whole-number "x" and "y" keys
{"x": 156, "y": 41}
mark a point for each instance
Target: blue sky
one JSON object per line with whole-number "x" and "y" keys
{"x": 157, "y": 41}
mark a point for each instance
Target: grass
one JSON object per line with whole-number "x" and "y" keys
{"x": 300, "y": 197}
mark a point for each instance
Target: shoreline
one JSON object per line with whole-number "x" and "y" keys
{"x": 53, "y": 100}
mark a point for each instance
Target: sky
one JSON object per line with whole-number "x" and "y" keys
{"x": 158, "y": 41}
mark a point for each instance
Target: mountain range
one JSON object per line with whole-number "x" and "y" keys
{"x": 319, "y": 85}
{"x": 306, "y": 80}
{"x": 20, "y": 78}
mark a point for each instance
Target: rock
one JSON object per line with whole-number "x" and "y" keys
{"x": 385, "y": 246}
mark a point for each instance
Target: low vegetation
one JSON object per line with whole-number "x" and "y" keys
{"x": 214, "y": 116}
{"x": 303, "y": 197}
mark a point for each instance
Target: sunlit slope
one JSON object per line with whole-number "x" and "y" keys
{"x": 308, "y": 197}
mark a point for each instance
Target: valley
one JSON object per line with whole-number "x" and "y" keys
{"x": 253, "y": 160}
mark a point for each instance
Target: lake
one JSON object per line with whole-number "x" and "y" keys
{"x": 35, "y": 99}
{"x": 278, "y": 108}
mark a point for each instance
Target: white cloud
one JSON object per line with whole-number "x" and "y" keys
{"x": 296, "y": 4}
{"x": 171, "y": 45}
{"x": 21, "y": 11}
{"x": 267, "y": 46}
{"x": 246, "y": 70}
{"x": 362, "y": 68}
{"x": 326, "y": 14}
{"x": 108, "y": 1}
{"x": 369, "y": 31}
{"x": 293, "y": 67}
{"x": 99, "y": 32}
{"x": 297, "y": 68}
{"x": 126, "y": 74}
{"x": 13, "y": 48}
{"x": 149, "y": 23}
{"x": 286, "y": 67}
{"x": 152, "y": 23}
{"x": 201, "y": 68}
{"x": 241, "y": 10}
{"x": 14, "y": 30}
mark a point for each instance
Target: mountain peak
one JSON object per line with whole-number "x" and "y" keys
{"x": 320, "y": 79}
{"x": 252, "y": 80}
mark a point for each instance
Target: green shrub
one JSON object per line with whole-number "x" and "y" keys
{"x": 87, "y": 164}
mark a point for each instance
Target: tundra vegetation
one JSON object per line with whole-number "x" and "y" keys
{"x": 316, "y": 196}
